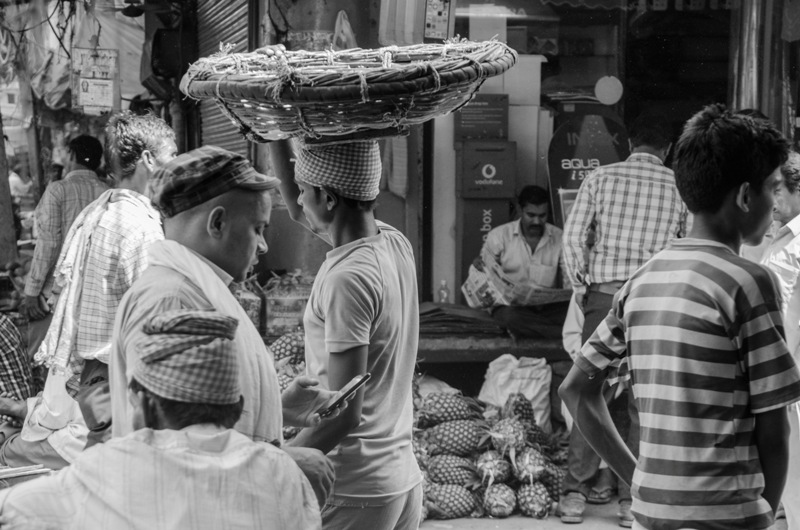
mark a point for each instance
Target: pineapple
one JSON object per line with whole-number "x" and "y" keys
{"x": 458, "y": 437}
{"x": 287, "y": 371}
{"x": 421, "y": 451}
{"x": 449, "y": 501}
{"x": 290, "y": 346}
{"x": 553, "y": 479}
{"x": 534, "y": 500}
{"x": 439, "y": 407}
{"x": 508, "y": 437}
{"x": 493, "y": 468}
{"x": 536, "y": 436}
{"x": 451, "y": 469}
{"x": 529, "y": 465}
{"x": 499, "y": 500}
{"x": 520, "y": 407}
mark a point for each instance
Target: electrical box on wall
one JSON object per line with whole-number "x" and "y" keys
{"x": 487, "y": 169}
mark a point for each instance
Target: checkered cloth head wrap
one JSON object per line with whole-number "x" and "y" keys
{"x": 189, "y": 356}
{"x": 352, "y": 170}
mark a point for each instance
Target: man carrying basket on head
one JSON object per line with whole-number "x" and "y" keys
{"x": 362, "y": 316}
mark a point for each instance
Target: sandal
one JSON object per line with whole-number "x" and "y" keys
{"x": 600, "y": 496}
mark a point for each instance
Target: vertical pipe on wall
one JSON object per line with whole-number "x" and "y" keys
{"x": 759, "y": 61}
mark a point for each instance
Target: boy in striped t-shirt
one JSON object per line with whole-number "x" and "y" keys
{"x": 699, "y": 331}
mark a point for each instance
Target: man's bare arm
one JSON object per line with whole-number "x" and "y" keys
{"x": 584, "y": 399}
{"x": 772, "y": 433}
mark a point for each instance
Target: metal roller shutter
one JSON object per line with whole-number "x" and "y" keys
{"x": 221, "y": 22}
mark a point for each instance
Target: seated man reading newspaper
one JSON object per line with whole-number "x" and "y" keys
{"x": 519, "y": 275}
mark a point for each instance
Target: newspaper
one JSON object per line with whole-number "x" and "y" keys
{"x": 491, "y": 287}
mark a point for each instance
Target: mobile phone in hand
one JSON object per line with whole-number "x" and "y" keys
{"x": 344, "y": 394}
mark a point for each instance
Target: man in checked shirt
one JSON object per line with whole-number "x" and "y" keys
{"x": 636, "y": 210}
{"x": 60, "y": 204}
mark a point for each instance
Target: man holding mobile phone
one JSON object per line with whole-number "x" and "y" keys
{"x": 362, "y": 317}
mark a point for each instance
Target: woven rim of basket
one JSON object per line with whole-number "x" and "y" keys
{"x": 346, "y": 75}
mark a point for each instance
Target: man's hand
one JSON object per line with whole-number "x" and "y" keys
{"x": 12, "y": 407}
{"x": 478, "y": 263}
{"x": 301, "y": 400}
{"x": 317, "y": 469}
{"x": 33, "y": 307}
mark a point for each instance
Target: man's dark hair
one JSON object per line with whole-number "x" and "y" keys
{"x": 753, "y": 113}
{"x": 182, "y": 415}
{"x": 719, "y": 150}
{"x": 791, "y": 171}
{"x": 534, "y": 195}
{"x": 651, "y": 130}
{"x": 128, "y": 136}
{"x": 87, "y": 149}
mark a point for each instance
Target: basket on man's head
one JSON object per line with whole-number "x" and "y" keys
{"x": 202, "y": 174}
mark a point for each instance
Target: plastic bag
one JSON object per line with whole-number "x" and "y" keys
{"x": 507, "y": 375}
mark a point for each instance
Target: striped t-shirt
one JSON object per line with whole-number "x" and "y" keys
{"x": 702, "y": 331}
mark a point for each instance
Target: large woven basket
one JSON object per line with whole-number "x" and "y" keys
{"x": 334, "y": 96}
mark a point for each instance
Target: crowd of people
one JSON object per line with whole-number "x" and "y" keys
{"x": 155, "y": 370}
{"x": 683, "y": 366}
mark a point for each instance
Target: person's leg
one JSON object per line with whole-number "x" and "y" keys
{"x": 402, "y": 513}
{"x": 582, "y": 462}
{"x": 16, "y": 452}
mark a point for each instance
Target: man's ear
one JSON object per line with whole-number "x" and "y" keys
{"x": 149, "y": 160}
{"x": 216, "y": 220}
{"x": 331, "y": 199}
{"x": 743, "y": 197}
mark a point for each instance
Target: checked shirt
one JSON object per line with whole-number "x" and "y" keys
{"x": 636, "y": 209}
{"x": 60, "y": 205}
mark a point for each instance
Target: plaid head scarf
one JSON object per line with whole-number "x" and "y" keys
{"x": 189, "y": 356}
{"x": 352, "y": 170}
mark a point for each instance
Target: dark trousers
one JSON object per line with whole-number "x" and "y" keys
{"x": 582, "y": 462}
{"x": 539, "y": 322}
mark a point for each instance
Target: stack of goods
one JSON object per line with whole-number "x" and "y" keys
{"x": 286, "y": 299}
{"x": 478, "y": 462}
{"x": 289, "y": 353}
{"x": 344, "y": 95}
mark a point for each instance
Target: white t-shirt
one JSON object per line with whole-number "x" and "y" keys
{"x": 366, "y": 294}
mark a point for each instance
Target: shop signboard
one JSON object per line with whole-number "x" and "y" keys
{"x": 487, "y": 169}
{"x": 95, "y": 80}
{"x": 485, "y": 117}
{"x": 579, "y": 146}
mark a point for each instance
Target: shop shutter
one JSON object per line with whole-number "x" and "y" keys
{"x": 221, "y": 22}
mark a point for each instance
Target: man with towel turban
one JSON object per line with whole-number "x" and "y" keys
{"x": 215, "y": 208}
{"x": 184, "y": 466}
{"x": 362, "y": 316}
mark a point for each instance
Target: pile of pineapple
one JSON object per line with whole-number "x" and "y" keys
{"x": 290, "y": 362}
{"x": 477, "y": 461}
